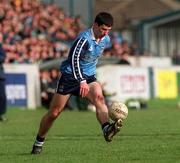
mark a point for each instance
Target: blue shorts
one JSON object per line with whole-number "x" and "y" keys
{"x": 67, "y": 84}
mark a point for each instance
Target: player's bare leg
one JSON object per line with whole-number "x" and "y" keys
{"x": 57, "y": 104}
{"x": 96, "y": 97}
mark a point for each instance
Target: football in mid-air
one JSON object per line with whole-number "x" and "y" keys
{"x": 118, "y": 110}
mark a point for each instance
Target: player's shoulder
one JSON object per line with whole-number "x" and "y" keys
{"x": 107, "y": 38}
{"x": 86, "y": 34}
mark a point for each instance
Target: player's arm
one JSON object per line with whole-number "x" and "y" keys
{"x": 79, "y": 47}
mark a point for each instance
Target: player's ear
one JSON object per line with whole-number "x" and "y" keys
{"x": 96, "y": 25}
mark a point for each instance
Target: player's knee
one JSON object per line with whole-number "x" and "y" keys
{"x": 54, "y": 114}
{"x": 98, "y": 98}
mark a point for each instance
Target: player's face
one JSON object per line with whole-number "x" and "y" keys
{"x": 102, "y": 30}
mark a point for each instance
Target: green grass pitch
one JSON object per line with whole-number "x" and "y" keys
{"x": 148, "y": 136}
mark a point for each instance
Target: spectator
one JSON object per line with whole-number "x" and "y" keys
{"x": 48, "y": 80}
{"x": 123, "y": 59}
{"x": 78, "y": 25}
{"x": 3, "y": 107}
{"x": 54, "y": 74}
{"x": 175, "y": 57}
{"x": 45, "y": 88}
{"x": 134, "y": 49}
{"x": 116, "y": 49}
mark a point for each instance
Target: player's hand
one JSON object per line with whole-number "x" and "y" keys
{"x": 84, "y": 89}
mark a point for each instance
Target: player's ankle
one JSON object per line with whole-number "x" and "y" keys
{"x": 105, "y": 126}
{"x": 39, "y": 141}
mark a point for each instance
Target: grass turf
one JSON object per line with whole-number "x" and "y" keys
{"x": 148, "y": 136}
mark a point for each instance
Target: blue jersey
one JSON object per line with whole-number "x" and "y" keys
{"x": 83, "y": 55}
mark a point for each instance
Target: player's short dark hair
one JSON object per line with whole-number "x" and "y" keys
{"x": 104, "y": 18}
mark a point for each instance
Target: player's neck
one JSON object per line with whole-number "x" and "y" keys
{"x": 96, "y": 36}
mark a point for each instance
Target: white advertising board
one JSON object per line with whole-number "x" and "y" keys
{"x": 125, "y": 81}
{"x": 23, "y": 85}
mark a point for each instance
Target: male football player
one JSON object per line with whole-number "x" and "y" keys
{"x": 78, "y": 78}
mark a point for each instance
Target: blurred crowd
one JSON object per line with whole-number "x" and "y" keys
{"x": 33, "y": 32}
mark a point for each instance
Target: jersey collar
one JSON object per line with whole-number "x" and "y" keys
{"x": 93, "y": 37}
{"x": 92, "y": 34}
